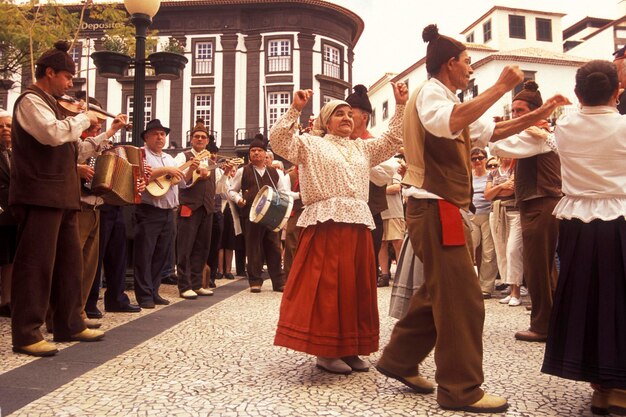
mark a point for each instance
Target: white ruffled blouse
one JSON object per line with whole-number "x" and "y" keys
{"x": 334, "y": 171}
{"x": 591, "y": 144}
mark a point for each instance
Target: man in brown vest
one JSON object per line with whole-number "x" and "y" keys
{"x": 45, "y": 197}
{"x": 447, "y": 312}
{"x": 261, "y": 242}
{"x": 537, "y": 191}
{"x": 195, "y": 217}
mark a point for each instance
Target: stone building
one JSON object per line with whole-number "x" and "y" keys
{"x": 246, "y": 58}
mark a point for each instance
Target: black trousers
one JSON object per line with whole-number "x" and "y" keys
{"x": 112, "y": 259}
{"x": 377, "y": 237}
{"x": 192, "y": 246}
{"x": 263, "y": 244}
{"x": 216, "y": 242}
{"x": 154, "y": 236}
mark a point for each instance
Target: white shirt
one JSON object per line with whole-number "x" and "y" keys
{"x": 435, "y": 103}
{"x": 38, "y": 119}
{"x": 592, "y": 149}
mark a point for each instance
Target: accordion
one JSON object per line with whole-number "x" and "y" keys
{"x": 118, "y": 172}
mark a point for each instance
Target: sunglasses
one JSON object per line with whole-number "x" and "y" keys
{"x": 492, "y": 166}
{"x": 477, "y": 158}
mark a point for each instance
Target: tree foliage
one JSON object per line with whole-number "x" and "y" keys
{"x": 31, "y": 27}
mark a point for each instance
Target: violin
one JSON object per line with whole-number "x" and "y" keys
{"x": 73, "y": 106}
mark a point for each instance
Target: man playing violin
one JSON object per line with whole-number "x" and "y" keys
{"x": 44, "y": 196}
{"x": 155, "y": 218}
{"x": 195, "y": 216}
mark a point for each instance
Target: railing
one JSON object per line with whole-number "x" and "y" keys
{"x": 279, "y": 63}
{"x": 188, "y": 137}
{"x": 203, "y": 66}
{"x": 244, "y": 136}
{"x": 332, "y": 69}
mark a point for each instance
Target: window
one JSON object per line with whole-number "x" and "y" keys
{"x": 147, "y": 113}
{"x": 279, "y": 55}
{"x": 544, "y": 30}
{"x": 528, "y": 75}
{"x": 487, "y": 31}
{"x": 470, "y": 38}
{"x": 385, "y": 110}
{"x": 373, "y": 118}
{"x": 332, "y": 62}
{"x": 517, "y": 27}
{"x": 277, "y": 105}
{"x": 203, "y": 58}
{"x": 202, "y": 105}
{"x": 470, "y": 92}
{"x": 76, "y": 54}
{"x": 328, "y": 99}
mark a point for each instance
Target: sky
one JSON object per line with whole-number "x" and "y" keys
{"x": 392, "y": 41}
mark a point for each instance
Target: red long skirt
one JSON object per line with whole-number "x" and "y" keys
{"x": 329, "y": 307}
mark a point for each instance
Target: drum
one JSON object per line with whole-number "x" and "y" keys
{"x": 271, "y": 208}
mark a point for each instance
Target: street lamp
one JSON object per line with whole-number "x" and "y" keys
{"x": 141, "y": 14}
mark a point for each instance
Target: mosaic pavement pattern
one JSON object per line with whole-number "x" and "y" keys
{"x": 221, "y": 362}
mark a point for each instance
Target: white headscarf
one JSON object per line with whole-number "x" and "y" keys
{"x": 4, "y": 113}
{"x": 319, "y": 125}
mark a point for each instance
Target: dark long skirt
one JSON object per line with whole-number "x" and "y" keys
{"x": 587, "y": 336}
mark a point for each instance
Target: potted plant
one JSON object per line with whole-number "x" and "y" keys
{"x": 113, "y": 61}
{"x": 170, "y": 61}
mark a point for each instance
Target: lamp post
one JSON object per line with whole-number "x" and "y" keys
{"x": 141, "y": 14}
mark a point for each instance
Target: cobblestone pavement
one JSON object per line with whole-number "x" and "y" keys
{"x": 221, "y": 362}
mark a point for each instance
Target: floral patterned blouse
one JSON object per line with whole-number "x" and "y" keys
{"x": 334, "y": 170}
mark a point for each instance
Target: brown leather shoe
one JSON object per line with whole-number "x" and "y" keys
{"x": 87, "y": 335}
{"x": 416, "y": 383}
{"x": 530, "y": 336}
{"x": 608, "y": 400}
{"x": 92, "y": 324}
{"x": 383, "y": 281}
{"x": 41, "y": 348}
{"x": 487, "y": 404}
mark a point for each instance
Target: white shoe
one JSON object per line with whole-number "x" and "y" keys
{"x": 505, "y": 300}
{"x": 356, "y": 363}
{"x": 189, "y": 295}
{"x": 203, "y": 291}
{"x": 514, "y": 302}
{"x": 523, "y": 291}
{"x": 333, "y": 365}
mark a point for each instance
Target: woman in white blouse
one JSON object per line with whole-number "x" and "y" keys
{"x": 587, "y": 336}
{"x": 329, "y": 307}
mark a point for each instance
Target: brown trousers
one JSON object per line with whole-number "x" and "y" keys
{"x": 447, "y": 313}
{"x": 48, "y": 269}
{"x": 540, "y": 230}
{"x": 89, "y": 234}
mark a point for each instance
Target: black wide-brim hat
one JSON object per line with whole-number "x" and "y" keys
{"x": 155, "y": 124}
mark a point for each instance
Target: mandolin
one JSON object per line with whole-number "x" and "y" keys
{"x": 160, "y": 185}
{"x": 212, "y": 166}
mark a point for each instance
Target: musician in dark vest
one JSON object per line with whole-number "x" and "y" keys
{"x": 45, "y": 198}
{"x": 154, "y": 225}
{"x": 261, "y": 242}
{"x": 195, "y": 216}
{"x": 537, "y": 191}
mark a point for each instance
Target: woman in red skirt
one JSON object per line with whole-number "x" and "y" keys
{"x": 329, "y": 307}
